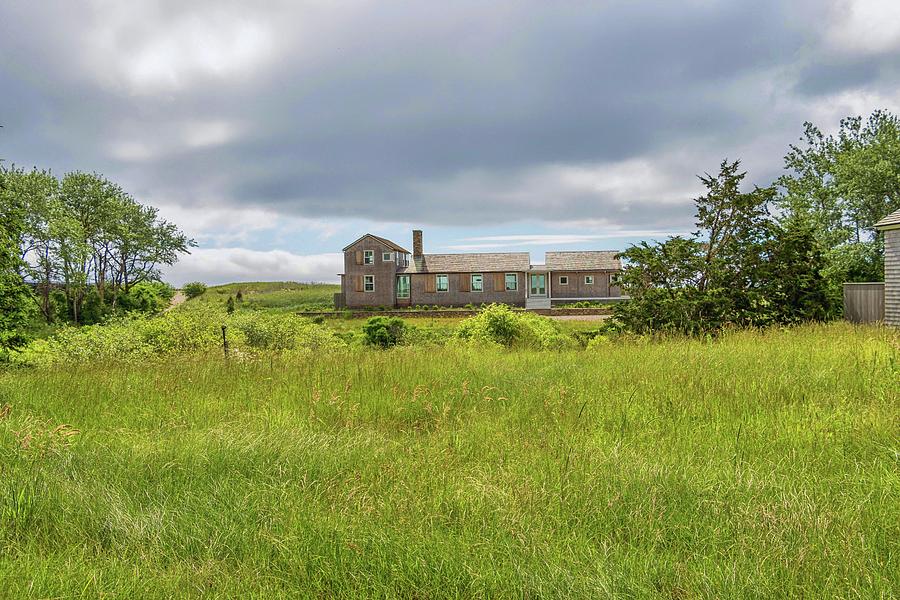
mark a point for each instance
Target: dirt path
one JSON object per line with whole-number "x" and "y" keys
{"x": 177, "y": 299}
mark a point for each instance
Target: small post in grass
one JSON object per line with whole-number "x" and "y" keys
{"x": 224, "y": 341}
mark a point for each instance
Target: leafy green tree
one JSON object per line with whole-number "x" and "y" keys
{"x": 842, "y": 185}
{"x": 16, "y": 299}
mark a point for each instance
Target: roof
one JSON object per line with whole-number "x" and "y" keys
{"x": 384, "y": 241}
{"x": 596, "y": 260}
{"x": 469, "y": 263}
{"x": 889, "y": 222}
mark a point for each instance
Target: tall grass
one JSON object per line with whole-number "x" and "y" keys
{"x": 763, "y": 464}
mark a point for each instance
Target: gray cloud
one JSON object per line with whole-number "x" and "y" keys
{"x": 433, "y": 112}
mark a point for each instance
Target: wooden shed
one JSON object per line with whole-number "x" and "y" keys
{"x": 890, "y": 226}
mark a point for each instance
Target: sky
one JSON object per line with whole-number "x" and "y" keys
{"x": 275, "y": 133}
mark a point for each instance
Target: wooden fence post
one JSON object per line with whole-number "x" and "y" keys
{"x": 224, "y": 341}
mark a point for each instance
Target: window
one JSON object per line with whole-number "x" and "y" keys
{"x": 564, "y": 280}
{"x": 477, "y": 282}
{"x": 403, "y": 286}
{"x": 588, "y": 280}
{"x": 512, "y": 282}
{"x": 402, "y": 259}
{"x": 369, "y": 283}
{"x": 369, "y": 257}
{"x": 387, "y": 257}
{"x": 442, "y": 283}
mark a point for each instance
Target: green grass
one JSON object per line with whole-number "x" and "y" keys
{"x": 759, "y": 465}
{"x": 285, "y": 296}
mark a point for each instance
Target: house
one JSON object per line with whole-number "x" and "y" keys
{"x": 379, "y": 272}
{"x": 890, "y": 226}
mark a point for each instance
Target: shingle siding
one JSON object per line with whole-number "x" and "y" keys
{"x": 456, "y": 297}
{"x": 384, "y": 273}
{"x": 577, "y": 288}
{"x": 892, "y": 276}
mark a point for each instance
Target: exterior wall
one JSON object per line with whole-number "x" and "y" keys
{"x": 455, "y": 297}
{"x": 384, "y": 272}
{"x": 892, "y": 277}
{"x": 578, "y": 289}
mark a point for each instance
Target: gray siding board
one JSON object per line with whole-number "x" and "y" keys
{"x": 892, "y": 277}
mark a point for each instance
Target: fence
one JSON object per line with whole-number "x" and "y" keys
{"x": 864, "y": 302}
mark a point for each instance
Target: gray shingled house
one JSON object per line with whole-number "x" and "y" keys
{"x": 890, "y": 226}
{"x": 379, "y": 272}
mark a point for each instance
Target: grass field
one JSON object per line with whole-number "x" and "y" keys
{"x": 285, "y": 296}
{"x": 759, "y": 465}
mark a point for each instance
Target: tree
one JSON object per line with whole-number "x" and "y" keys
{"x": 841, "y": 185}
{"x": 797, "y": 287}
{"x": 15, "y": 296}
{"x": 716, "y": 276}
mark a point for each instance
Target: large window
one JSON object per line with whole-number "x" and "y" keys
{"x": 369, "y": 283}
{"x": 477, "y": 282}
{"x": 442, "y": 283}
{"x": 369, "y": 257}
{"x": 512, "y": 282}
{"x": 403, "y": 286}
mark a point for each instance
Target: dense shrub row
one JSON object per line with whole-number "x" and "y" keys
{"x": 198, "y": 327}
{"x": 191, "y": 328}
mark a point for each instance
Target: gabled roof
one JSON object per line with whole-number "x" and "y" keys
{"x": 469, "y": 263}
{"x": 889, "y": 222}
{"x": 384, "y": 241}
{"x": 597, "y": 260}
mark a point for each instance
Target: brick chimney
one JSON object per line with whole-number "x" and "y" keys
{"x": 417, "y": 243}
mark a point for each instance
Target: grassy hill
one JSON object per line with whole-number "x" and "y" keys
{"x": 276, "y": 295}
{"x": 762, "y": 464}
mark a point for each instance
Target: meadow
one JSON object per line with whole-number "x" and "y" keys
{"x": 280, "y": 296}
{"x": 759, "y": 464}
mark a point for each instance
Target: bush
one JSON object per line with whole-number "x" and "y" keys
{"x": 263, "y": 331}
{"x": 147, "y": 296}
{"x": 499, "y": 324}
{"x": 384, "y": 332}
{"x": 188, "y": 329}
{"x": 193, "y": 289}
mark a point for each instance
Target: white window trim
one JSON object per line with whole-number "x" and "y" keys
{"x": 563, "y": 280}
{"x": 437, "y": 287}
{"x": 366, "y": 279}
{"x": 586, "y": 282}
{"x": 368, "y": 254}
{"x": 506, "y": 282}
{"x": 390, "y": 256}
{"x": 472, "y": 277}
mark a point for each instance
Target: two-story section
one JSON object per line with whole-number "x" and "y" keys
{"x": 370, "y": 278}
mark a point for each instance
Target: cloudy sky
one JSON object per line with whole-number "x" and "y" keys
{"x": 275, "y": 133}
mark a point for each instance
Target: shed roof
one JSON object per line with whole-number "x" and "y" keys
{"x": 384, "y": 241}
{"x": 889, "y": 222}
{"x": 594, "y": 260}
{"x": 469, "y": 263}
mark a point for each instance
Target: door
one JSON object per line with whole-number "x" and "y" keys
{"x": 403, "y": 288}
{"x": 538, "y": 284}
